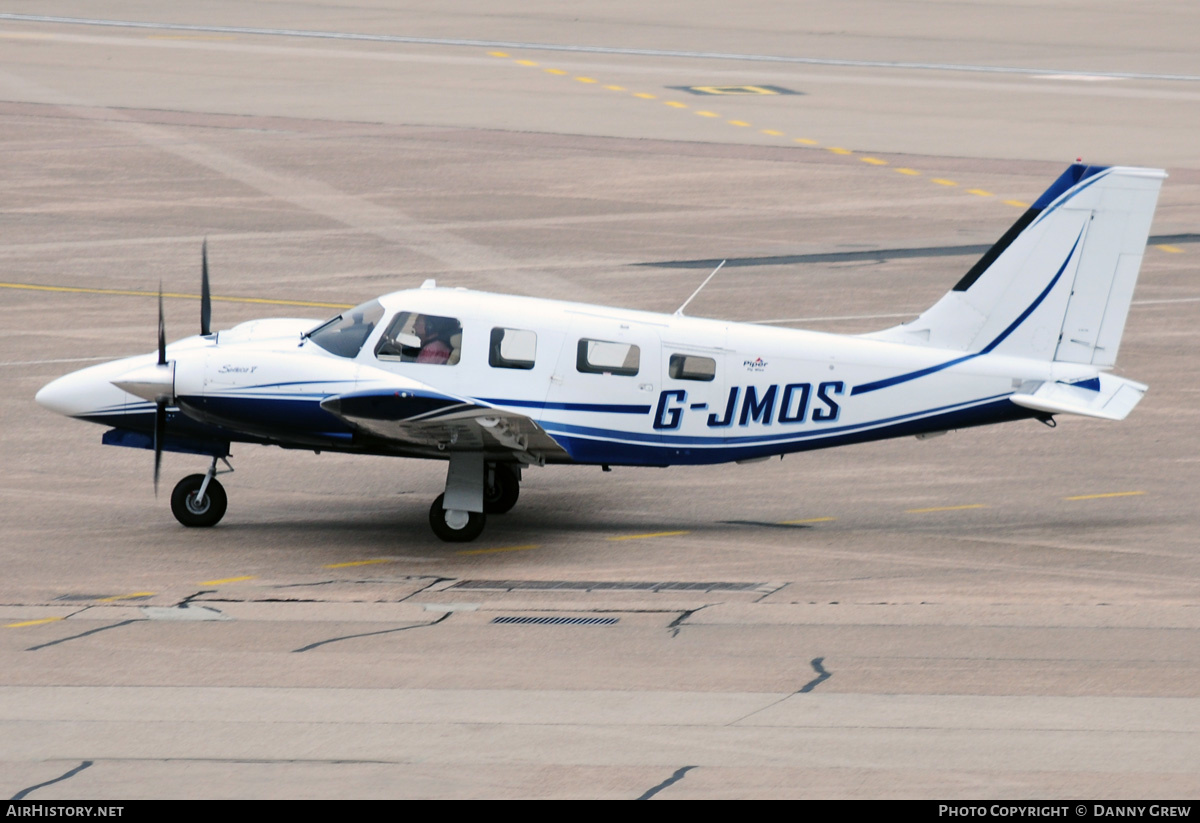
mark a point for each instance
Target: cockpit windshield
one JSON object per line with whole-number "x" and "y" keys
{"x": 345, "y": 334}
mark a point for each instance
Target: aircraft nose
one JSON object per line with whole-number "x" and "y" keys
{"x": 67, "y": 395}
{"x": 89, "y": 391}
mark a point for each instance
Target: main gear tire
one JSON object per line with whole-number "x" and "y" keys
{"x": 454, "y": 526}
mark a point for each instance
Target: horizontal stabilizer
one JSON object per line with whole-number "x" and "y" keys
{"x": 1106, "y": 397}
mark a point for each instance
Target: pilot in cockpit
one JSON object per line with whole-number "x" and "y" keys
{"x": 435, "y": 334}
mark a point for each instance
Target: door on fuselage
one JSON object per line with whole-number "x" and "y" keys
{"x": 692, "y": 401}
{"x": 604, "y": 390}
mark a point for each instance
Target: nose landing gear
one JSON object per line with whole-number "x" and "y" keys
{"x": 199, "y": 500}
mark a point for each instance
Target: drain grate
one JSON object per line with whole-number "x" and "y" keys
{"x": 558, "y": 621}
{"x": 601, "y": 585}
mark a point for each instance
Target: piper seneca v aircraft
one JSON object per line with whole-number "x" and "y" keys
{"x": 495, "y": 384}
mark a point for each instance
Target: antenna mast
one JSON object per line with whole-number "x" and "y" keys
{"x": 679, "y": 311}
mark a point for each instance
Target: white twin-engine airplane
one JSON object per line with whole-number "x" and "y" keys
{"x": 494, "y": 384}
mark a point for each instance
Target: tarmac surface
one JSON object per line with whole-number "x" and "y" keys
{"x": 1011, "y": 612}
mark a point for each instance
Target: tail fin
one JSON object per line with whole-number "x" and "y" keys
{"x": 1058, "y": 284}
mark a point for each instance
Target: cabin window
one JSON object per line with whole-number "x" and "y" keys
{"x": 421, "y": 338}
{"x": 604, "y": 357}
{"x": 345, "y": 334}
{"x": 692, "y": 367}
{"x": 512, "y": 349}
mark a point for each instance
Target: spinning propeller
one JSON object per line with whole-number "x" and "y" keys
{"x": 157, "y": 383}
{"x": 160, "y": 401}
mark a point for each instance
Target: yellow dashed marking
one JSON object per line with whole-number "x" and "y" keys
{"x": 643, "y": 536}
{"x": 806, "y": 520}
{"x": 225, "y": 580}
{"x": 948, "y": 508}
{"x": 874, "y": 161}
{"x": 1098, "y": 496}
{"x": 33, "y": 622}
{"x": 131, "y": 293}
{"x": 133, "y": 596}
{"x": 1171, "y": 249}
{"x": 360, "y": 563}
{"x": 504, "y": 549}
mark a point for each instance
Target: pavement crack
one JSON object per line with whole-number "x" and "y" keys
{"x": 821, "y": 677}
{"x": 773, "y": 591}
{"x": 21, "y": 795}
{"x": 670, "y": 781}
{"x": 435, "y": 581}
{"x": 185, "y": 602}
{"x": 677, "y": 623}
{"x": 763, "y": 524}
{"x": 83, "y": 634}
{"x": 311, "y": 646}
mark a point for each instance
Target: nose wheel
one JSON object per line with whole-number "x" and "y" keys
{"x": 195, "y": 508}
{"x": 198, "y": 500}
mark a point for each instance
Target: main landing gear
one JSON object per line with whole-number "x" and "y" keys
{"x": 474, "y": 490}
{"x": 199, "y": 500}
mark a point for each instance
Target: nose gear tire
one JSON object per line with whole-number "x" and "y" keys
{"x": 198, "y": 512}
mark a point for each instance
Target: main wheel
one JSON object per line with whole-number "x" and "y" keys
{"x": 194, "y": 511}
{"x": 455, "y": 526}
{"x": 501, "y": 489}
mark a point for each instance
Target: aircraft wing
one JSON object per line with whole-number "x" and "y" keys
{"x": 427, "y": 419}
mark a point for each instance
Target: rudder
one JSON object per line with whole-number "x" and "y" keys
{"x": 1058, "y": 284}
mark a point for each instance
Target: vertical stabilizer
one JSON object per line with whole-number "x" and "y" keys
{"x": 1058, "y": 284}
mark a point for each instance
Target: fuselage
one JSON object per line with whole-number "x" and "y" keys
{"x": 607, "y": 385}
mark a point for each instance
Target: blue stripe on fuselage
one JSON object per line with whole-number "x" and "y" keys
{"x": 913, "y": 375}
{"x": 268, "y": 415}
{"x": 607, "y": 408}
{"x": 594, "y": 451}
{"x": 630, "y": 438}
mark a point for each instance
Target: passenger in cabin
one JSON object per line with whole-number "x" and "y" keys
{"x": 435, "y": 334}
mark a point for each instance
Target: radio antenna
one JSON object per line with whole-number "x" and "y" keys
{"x": 679, "y": 311}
